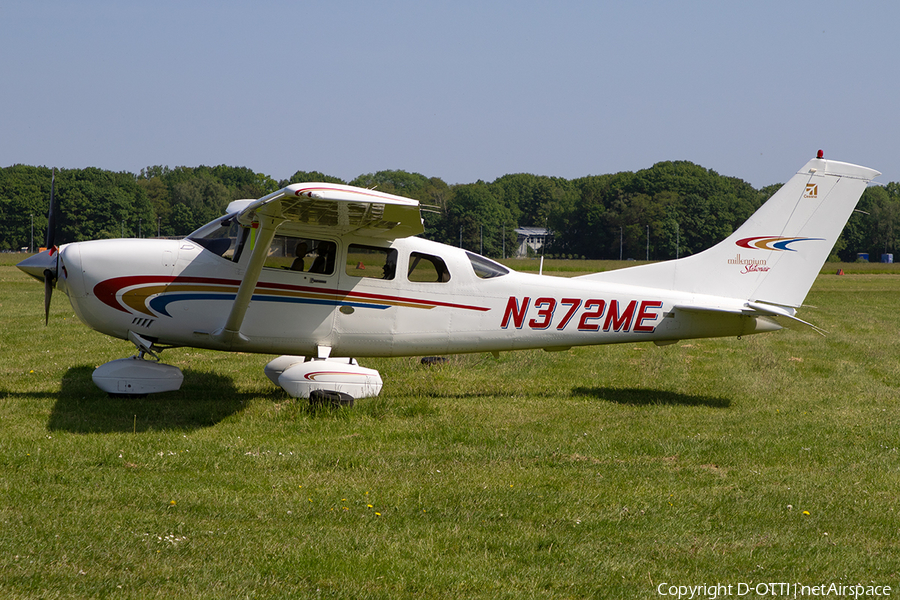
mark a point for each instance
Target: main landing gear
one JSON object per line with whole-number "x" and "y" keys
{"x": 335, "y": 381}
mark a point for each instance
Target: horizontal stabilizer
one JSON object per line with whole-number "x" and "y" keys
{"x": 753, "y": 309}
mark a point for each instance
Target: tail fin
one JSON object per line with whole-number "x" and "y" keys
{"x": 775, "y": 255}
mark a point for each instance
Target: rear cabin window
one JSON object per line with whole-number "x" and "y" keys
{"x": 427, "y": 268}
{"x": 485, "y": 268}
{"x": 302, "y": 255}
{"x": 371, "y": 261}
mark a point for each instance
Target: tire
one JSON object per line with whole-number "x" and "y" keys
{"x": 431, "y": 361}
{"x": 330, "y": 398}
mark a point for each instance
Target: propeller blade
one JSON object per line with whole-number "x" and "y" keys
{"x": 49, "y": 281}
{"x": 45, "y": 265}
{"x": 51, "y": 216}
{"x": 50, "y": 275}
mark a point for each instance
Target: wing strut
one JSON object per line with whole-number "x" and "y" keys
{"x": 231, "y": 334}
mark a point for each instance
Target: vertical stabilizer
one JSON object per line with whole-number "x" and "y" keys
{"x": 775, "y": 255}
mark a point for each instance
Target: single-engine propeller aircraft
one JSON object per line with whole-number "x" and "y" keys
{"x": 317, "y": 271}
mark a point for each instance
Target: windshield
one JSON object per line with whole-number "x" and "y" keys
{"x": 221, "y": 237}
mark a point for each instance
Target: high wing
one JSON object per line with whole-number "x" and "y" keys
{"x": 314, "y": 208}
{"x": 335, "y": 209}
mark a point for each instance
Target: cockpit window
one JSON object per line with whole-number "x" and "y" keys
{"x": 223, "y": 237}
{"x": 301, "y": 254}
{"x": 485, "y": 268}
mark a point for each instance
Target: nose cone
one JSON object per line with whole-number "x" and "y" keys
{"x": 36, "y": 265}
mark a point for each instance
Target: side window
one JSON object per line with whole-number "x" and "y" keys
{"x": 371, "y": 261}
{"x": 301, "y": 254}
{"x": 323, "y": 263}
{"x": 427, "y": 268}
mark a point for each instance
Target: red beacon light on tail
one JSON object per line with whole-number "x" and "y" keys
{"x": 820, "y": 154}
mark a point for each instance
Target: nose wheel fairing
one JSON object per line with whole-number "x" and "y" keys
{"x": 137, "y": 375}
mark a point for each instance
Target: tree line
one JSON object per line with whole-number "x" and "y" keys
{"x": 673, "y": 208}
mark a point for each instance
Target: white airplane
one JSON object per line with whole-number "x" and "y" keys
{"x": 316, "y": 271}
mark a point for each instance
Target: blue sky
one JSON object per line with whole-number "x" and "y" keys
{"x": 458, "y": 90}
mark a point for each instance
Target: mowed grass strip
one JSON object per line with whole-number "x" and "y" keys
{"x": 598, "y": 472}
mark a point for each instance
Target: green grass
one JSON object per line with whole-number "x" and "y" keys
{"x": 598, "y": 472}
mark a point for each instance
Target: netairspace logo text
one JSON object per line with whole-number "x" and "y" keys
{"x": 774, "y": 589}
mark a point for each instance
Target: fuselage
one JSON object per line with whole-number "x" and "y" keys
{"x": 403, "y": 297}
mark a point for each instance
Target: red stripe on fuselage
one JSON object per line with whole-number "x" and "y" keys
{"x": 106, "y": 291}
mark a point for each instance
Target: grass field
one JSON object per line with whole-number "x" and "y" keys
{"x": 608, "y": 472}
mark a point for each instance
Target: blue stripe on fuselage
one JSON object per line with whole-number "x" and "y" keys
{"x": 160, "y": 303}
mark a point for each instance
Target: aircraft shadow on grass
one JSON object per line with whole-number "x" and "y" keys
{"x": 644, "y": 397}
{"x": 624, "y": 396}
{"x": 204, "y": 400}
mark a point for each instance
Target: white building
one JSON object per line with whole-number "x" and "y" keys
{"x": 530, "y": 237}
